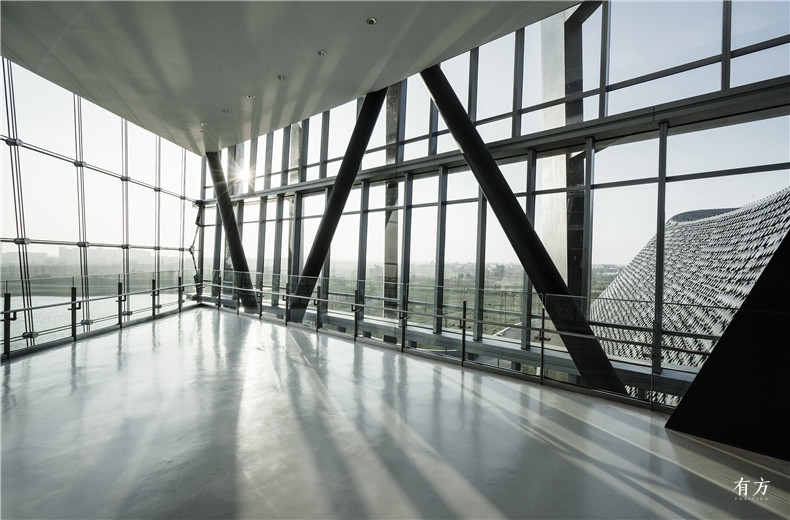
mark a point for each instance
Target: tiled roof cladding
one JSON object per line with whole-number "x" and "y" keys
{"x": 712, "y": 259}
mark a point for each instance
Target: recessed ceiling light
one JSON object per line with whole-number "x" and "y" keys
{"x": 281, "y": 77}
{"x": 203, "y": 123}
{"x": 322, "y": 52}
{"x": 250, "y": 96}
{"x": 225, "y": 111}
{"x": 372, "y": 21}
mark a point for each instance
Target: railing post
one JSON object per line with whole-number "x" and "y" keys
{"x": 180, "y": 293}
{"x": 542, "y": 336}
{"x": 219, "y": 292}
{"x": 403, "y": 316}
{"x": 121, "y": 299}
{"x": 355, "y": 309}
{"x": 74, "y": 308}
{"x": 153, "y": 298}
{"x": 237, "y": 291}
{"x": 260, "y": 303}
{"x": 318, "y": 310}
{"x": 463, "y": 333}
{"x": 287, "y": 305}
{"x": 8, "y": 317}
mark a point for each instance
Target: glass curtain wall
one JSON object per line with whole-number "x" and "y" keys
{"x": 92, "y": 205}
{"x": 617, "y": 126}
{"x": 601, "y": 205}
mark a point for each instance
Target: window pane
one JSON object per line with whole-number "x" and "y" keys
{"x": 103, "y": 208}
{"x": 3, "y": 114}
{"x": 249, "y": 242}
{"x": 624, "y": 262}
{"x": 313, "y": 204}
{"x": 456, "y": 70}
{"x": 624, "y": 221}
{"x": 277, "y": 155}
{"x": 417, "y": 108}
{"x": 142, "y": 222}
{"x": 194, "y": 165}
{"x": 170, "y": 221}
{"x": 353, "y": 201}
{"x": 758, "y": 66}
{"x": 495, "y": 77}
{"x": 170, "y": 169}
{"x": 663, "y": 90}
{"x": 462, "y": 185}
{"x": 446, "y": 143}
{"x": 142, "y": 154}
{"x": 757, "y": 143}
{"x": 45, "y": 113}
{"x": 722, "y": 192}
{"x": 544, "y": 119}
{"x": 516, "y": 175}
{"x": 7, "y": 215}
{"x": 425, "y": 189}
{"x": 341, "y": 124}
{"x": 754, "y": 22}
{"x": 374, "y": 159}
{"x": 422, "y": 263}
{"x": 543, "y": 46}
{"x": 379, "y": 136}
{"x": 101, "y": 138}
{"x": 496, "y": 130}
{"x": 591, "y": 51}
{"x": 49, "y": 190}
{"x": 383, "y": 260}
{"x": 268, "y": 251}
{"x": 48, "y": 261}
{"x": 314, "y": 139}
{"x": 415, "y": 150}
{"x": 560, "y": 170}
{"x": 459, "y": 250}
{"x": 343, "y": 254}
{"x": 105, "y": 261}
{"x": 208, "y": 253}
{"x": 504, "y": 279}
{"x": 626, "y": 161}
{"x": 385, "y": 194}
{"x": 651, "y": 36}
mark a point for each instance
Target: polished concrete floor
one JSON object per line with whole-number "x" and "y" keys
{"x": 210, "y": 415}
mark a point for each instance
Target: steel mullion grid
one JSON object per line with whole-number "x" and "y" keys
{"x": 19, "y": 209}
{"x": 125, "y": 220}
{"x": 82, "y": 242}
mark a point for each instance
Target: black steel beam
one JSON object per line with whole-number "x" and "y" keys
{"x": 349, "y": 167}
{"x": 590, "y": 359}
{"x": 232, "y": 235}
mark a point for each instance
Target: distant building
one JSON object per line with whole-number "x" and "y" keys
{"x": 712, "y": 259}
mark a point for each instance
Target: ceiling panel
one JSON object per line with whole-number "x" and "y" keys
{"x": 170, "y": 66}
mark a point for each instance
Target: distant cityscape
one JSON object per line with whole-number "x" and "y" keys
{"x": 66, "y": 262}
{"x": 500, "y": 276}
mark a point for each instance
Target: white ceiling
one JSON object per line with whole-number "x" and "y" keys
{"x": 168, "y": 66}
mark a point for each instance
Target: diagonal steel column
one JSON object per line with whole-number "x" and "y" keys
{"x": 590, "y": 359}
{"x": 337, "y": 201}
{"x": 232, "y": 235}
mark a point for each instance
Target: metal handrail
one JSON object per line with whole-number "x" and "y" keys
{"x": 87, "y": 300}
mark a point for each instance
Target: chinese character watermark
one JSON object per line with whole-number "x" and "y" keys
{"x": 742, "y": 488}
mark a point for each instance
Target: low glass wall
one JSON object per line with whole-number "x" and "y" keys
{"x": 43, "y": 310}
{"x": 548, "y": 337}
